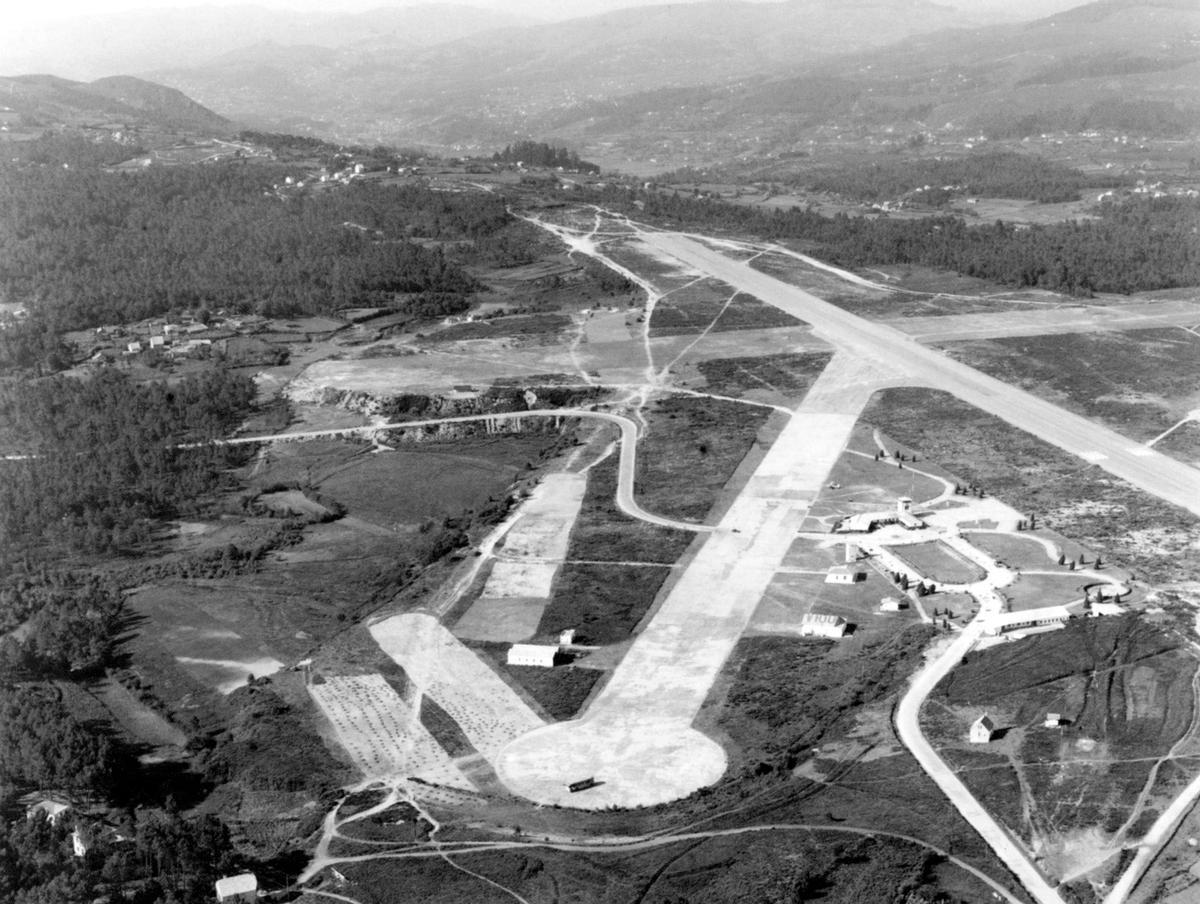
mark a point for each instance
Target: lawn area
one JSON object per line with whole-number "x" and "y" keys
{"x": 1033, "y": 591}
{"x": 1014, "y": 550}
{"x": 790, "y": 596}
{"x": 936, "y": 561}
{"x": 869, "y": 485}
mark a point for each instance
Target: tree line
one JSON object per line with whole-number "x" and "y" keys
{"x": 1138, "y": 245}
{"x": 991, "y": 174}
{"x": 538, "y": 153}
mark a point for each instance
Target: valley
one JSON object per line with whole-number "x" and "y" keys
{"x": 631, "y": 454}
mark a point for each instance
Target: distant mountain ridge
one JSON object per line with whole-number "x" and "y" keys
{"x": 50, "y": 100}
{"x": 92, "y": 45}
{"x": 479, "y": 88}
{"x": 702, "y": 81}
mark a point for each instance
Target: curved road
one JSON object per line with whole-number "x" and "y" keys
{"x": 902, "y": 355}
{"x": 626, "y": 474}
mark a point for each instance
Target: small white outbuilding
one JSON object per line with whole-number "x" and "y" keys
{"x": 982, "y": 731}
{"x": 535, "y": 654}
{"x": 844, "y": 574}
{"x": 239, "y": 889}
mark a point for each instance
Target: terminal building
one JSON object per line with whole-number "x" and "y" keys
{"x": 866, "y": 522}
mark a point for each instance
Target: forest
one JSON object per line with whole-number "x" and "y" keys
{"x": 537, "y": 153}
{"x": 990, "y": 174}
{"x": 104, "y": 459}
{"x": 81, "y": 247}
{"x": 1133, "y": 246}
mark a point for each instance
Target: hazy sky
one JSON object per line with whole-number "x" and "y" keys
{"x": 41, "y": 11}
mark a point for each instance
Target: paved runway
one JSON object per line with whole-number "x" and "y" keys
{"x": 900, "y": 354}
{"x": 636, "y": 737}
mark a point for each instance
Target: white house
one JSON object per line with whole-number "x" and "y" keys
{"x": 844, "y": 574}
{"x": 158, "y": 341}
{"x": 1053, "y": 720}
{"x": 133, "y": 347}
{"x": 532, "y": 654}
{"x": 51, "y": 807}
{"x": 566, "y": 638}
{"x": 815, "y": 624}
{"x": 239, "y": 889}
{"x": 982, "y": 730}
{"x": 892, "y": 604}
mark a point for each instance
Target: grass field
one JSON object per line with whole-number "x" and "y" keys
{"x": 1126, "y": 526}
{"x": 1122, "y": 684}
{"x": 938, "y": 562}
{"x": 760, "y": 866}
{"x": 1183, "y": 443}
{"x": 558, "y": 692}
{"x": 710, "y": 305}
{"x": 790, "y": 596}
{"x": 690, "y": 451}
{"x": 605, "y": 602}
{"x": 785, "y": 376}
{"x": 1033, "y": 591}
{"x": 885, "y": 304}
{"x": 1015, "y": 551}
{"x": 1138, "y": 382}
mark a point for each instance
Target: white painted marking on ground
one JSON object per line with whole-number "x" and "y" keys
{"x": 487, "y": 710}
{"x": 383, "y": 735}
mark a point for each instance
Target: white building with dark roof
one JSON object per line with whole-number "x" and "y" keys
{"x": 982, "y": 731}
{"x": 817, "y": 624}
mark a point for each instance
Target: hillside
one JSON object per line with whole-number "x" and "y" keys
{"x": 46, "y": 100}
{"x": 706, "y": 81}
{"x": 1124, "y": 65}
{"x": 478, "y": 90}
{"x": 141, "y": 40}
